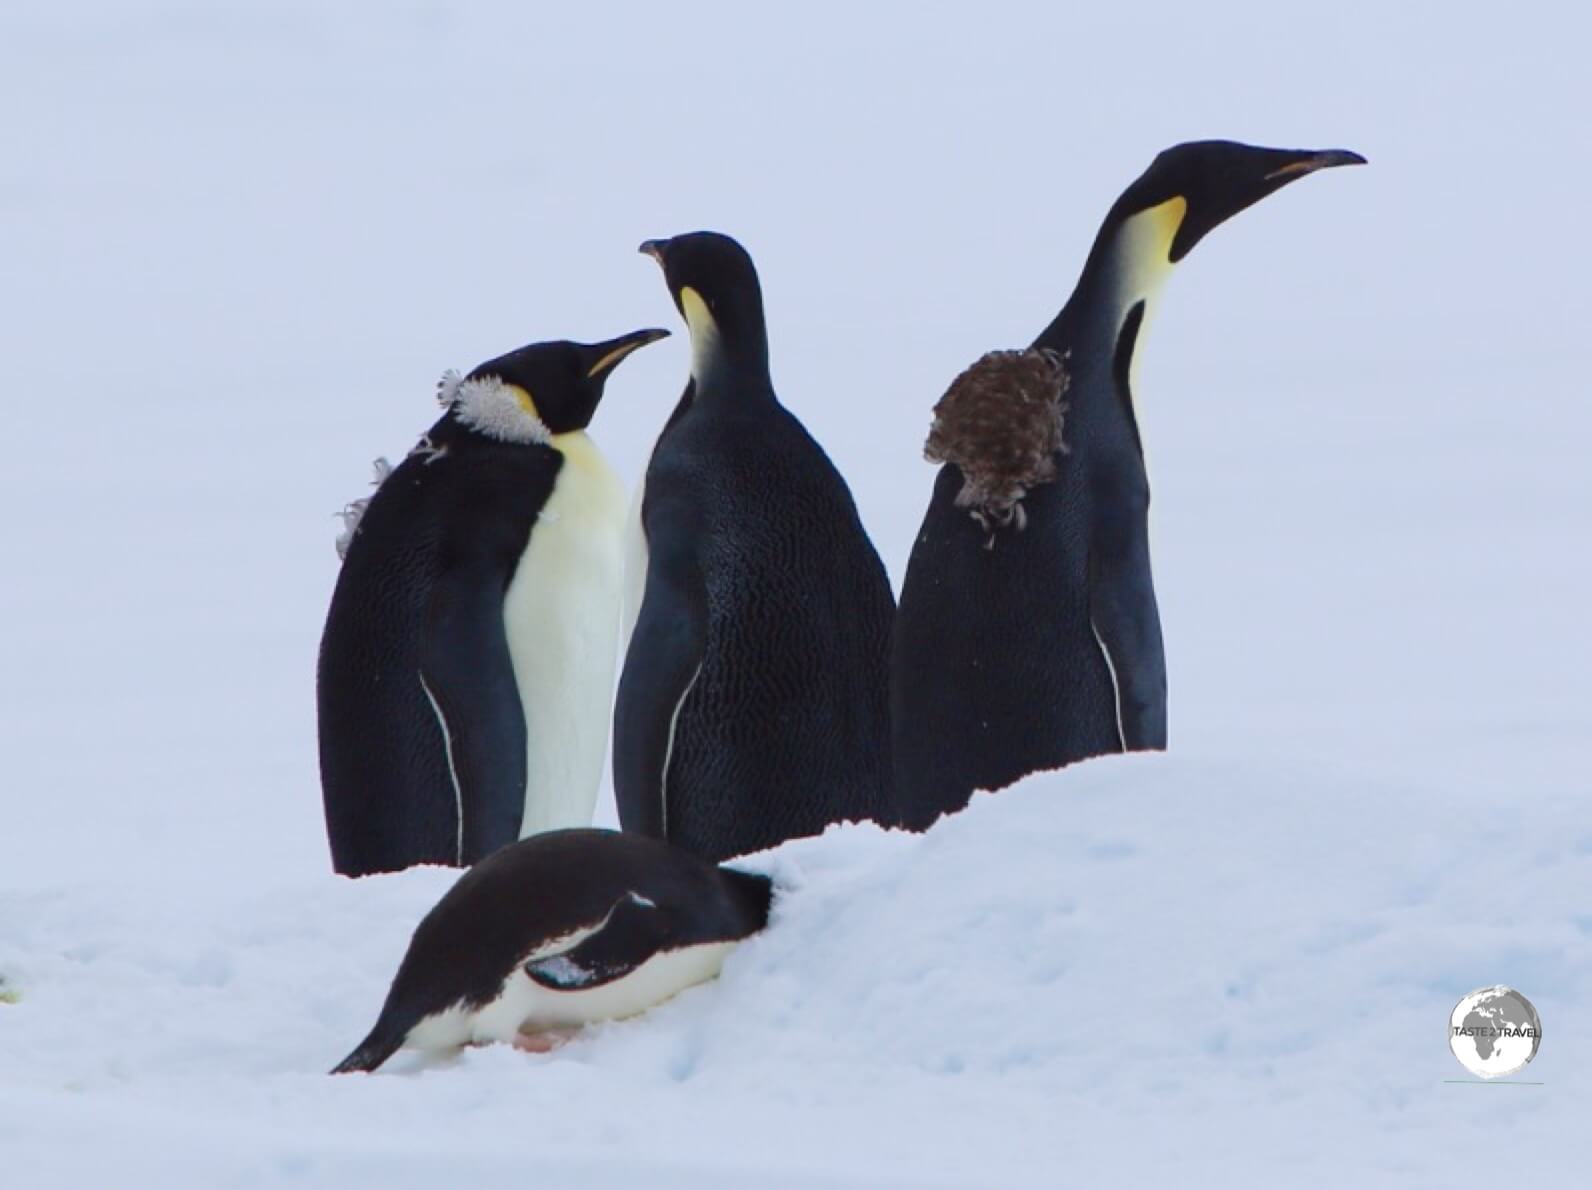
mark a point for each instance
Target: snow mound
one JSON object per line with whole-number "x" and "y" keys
{"x": 1139, "y": 968}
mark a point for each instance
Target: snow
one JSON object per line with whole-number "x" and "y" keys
{"x": 1170, "y": 968}
{"x": 247, "y": 238}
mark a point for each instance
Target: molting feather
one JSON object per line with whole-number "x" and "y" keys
{"x": 1000, "y": 422}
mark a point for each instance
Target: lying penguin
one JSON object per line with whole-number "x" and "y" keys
{"x": 555, "y": 932}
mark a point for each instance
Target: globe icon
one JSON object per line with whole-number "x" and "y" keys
{"x": 1494, "y": 1032}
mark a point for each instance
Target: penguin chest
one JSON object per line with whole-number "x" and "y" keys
{"x": 561, "y": 616}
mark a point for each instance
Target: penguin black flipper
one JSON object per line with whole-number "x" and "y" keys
{"x": 1122, "y": 612}
{"x": 380, "y": 1044}
{"x": 665, "y": 656}
{"x": 632, "y": 932}
{"x": 467, "y": 676}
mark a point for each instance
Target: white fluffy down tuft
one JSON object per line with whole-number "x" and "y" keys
{"x": 354, "y": 511}
{"x": 490, "y": 407}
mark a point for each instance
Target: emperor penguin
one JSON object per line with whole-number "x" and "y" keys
{"x": 1028, "y": 636}
{"x": 556, "y": 932}
{"x": 753, "y": 701}
{"x": 467, "y": 662}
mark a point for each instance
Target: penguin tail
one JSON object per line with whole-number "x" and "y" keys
{"x": 372, "y": 1052}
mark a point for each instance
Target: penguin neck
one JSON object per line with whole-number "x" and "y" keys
{"x": 726, "y": 372}
{"x": 728, "y": 362}
{"x": 1103, "y": 323}
{"x": 578, "y": 449}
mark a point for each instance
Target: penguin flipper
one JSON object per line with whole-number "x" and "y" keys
{"x": 661, "y": 665}
{"x": 632, "y": 933}
{"x": 371, "y": 1053}
{"x": 467, "y": 675}
{"x": 1127, "y": 627}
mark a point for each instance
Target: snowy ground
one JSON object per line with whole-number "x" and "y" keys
{"x": 1146, "y": 969}
{"x": 240, "y": 243}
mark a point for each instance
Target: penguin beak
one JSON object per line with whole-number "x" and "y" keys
{"x": 658, "y": 250}
{"x": 1310, "y": 162}
{"x": 610, "y": 353}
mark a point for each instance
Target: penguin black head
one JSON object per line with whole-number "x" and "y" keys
{"x": 1201, "y": 184}
{"x": 539, "y": 391}
{"x": 714, "y": 285}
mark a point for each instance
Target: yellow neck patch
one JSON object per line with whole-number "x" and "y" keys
{"x": 1144, "y": 262}
{"x": 697, "y": 315}
{"x": 1144, "y": 251}
{"x": 526, "y": 402}
{"x": 704, "y": 331}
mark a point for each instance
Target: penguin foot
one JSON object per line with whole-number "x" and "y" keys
{"x": 544, "y": 1041}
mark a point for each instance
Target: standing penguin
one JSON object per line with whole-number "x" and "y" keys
{"x": 468, "y": 656}
{"x": 753, "y": 704}
{"x": 556, "y": 932}
{"x": 1028, "y": 636}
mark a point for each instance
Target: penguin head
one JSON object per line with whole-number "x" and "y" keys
{"x": 539, "y": 391}
{"x": 1201, "y": 184}
{"x": 714, "y": 285}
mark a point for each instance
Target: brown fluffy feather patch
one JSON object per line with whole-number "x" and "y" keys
{"x": 1000, "y": 422}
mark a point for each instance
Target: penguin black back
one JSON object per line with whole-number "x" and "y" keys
{"x": 753, "y": 704}
{"x": 387, "y": 781}
{"x": 423, "y": 739}
{"x": 1041, "y": 645}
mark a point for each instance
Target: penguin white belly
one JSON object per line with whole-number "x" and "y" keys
{"x": 561, "y": 613}
{"x": 441, "y": 1031}
{"x": 525, "y": 1005}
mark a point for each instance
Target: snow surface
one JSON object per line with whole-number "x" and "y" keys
{"x": 241, "y": 242}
